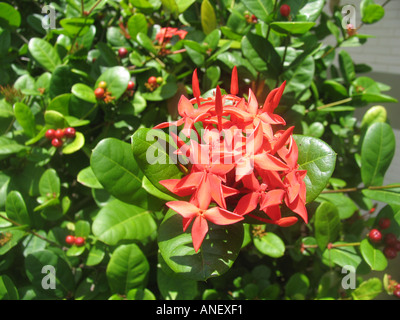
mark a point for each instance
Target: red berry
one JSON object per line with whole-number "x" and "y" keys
{"x": 285, "y": 10}
{"x": 99, "y": 93}
{"x": 152, "y": 80}
{"x": 390, "y": 239}
{"x": 59, "y": 134}
{"x": 70, "y": 239}
{"x": 375, "y": 235}
{"x": 397, "y": 293}
{"x": 384, "y": 223}
{"x": 57, "y": 142}
{"x": 390, "y": 252}
{"x": 122, "y": 52}
{"x": 79, "y": 241}
{"x": 131, "y": 85}
{"x": 50, "y": 134}
{"x": 69, "y": 132}
{"x": 396, "y": 246}
{"x": 397, "y": 286}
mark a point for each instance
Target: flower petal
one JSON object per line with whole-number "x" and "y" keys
{"x": 234, "y": 82}
{"x": 221, "y": 216}
{"x": 199, "y": 231}
{"x": 247, "y": 203}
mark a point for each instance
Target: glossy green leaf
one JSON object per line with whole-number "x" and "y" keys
{"x": 9, "y": 16}
{"x": 55, "y": 119}
{"x": 9, "y": 146}
{"x": 341, "y": 256}
{"x": 84, "y": 92}
{"x": 116, "y": 169}
{"x": 128, "y": 269}
{"x": 16, "y": 208}
{"x": 374, "y": 114}
{"x": 207, "y": 17}
{"x": 146, "y": 42}
{"x": 327, "y": 224}
{"x": 318, "y": 158}
{"x": 270, "y": 244}
{"x": 377, "y": 152}
{"x": 49, "y": 184}
{"x": 292, "y": 28}
{"x": 44, "y": 53}
{"x": 368, "y": 289}
{"x": 10, "y": 239}
{"x": 150, "y": 149}
{"x": 76, "y": 26}
{"x": 261, "y": 9}
{"x": 217, "y": 254}
{"x": 151, "y": 189}
{"x": 346, "y": 66}
{"x": 373, "y": 256}
{"x": 312, "y": 9}
{"x": 390, "y": 195}
{"x": 25, "y": 118}
{"x": 345, "y": 206}
{"x": 297, "y": 286}
{"x": 117, "y": 79}
{"x": 8, "y": 290}
{"x": 87, "y": 177}
{"x": 118, "y": 221}
{"x": 96, "y": 254}
{"x": 137, "y": 23}
{"x": 76, "y": 144}
{"x": 371, "y": 12}
{"x": 170, "y": 7}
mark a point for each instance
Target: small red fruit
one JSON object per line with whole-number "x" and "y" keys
{"x": 396, "y": 246}
{"x": 69, "y": 132}
{"x": 152, "y": 80}
{"x": 57, "y": 142}
{"x": 59, "y": 134}
{"x": 122, "y": 52}
{"x": 390, "y": 239}
{"x": 390, "y": 252}
{"x": 285, "y": 10}
{"x": 375, "y": 235}
{"x": 384, "y": 223}
{"x": 50, "y": 134}
{"x": 79, "y": 241}
{"x": 70, "y": 239}
{"x": 131, "y": 85}
{"x": 396, "y": 293}
{"x": 99, "y": 93}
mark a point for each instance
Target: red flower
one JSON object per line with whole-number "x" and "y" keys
{"x": 239, "y": 165}
{"x": 166, "y": 34}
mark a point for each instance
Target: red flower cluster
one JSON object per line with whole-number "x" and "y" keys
{"x": 166, "y": 34}
{"x": 237, "y": 163}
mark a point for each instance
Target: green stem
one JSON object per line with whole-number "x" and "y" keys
{"x": 336, "y": 103}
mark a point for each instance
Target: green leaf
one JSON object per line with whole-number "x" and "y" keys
{"x": 346, "y": 66}
{"x": 170, "y": 7}
{"x": 327, "y": 224}
{"x": 116, "y": 169}
{"x": 261, "y": 9}
{"x": 217, "y": 254}
{"x": 151, "y": 189}
{"x": 25, "y": 118}
{"x": 9, "y": 16}
{"x": 118, "y": 221}
{"x": 312, "y": 9}
{"x": 292, "y": 28}
{"x": 146, "y": 42}
{"x": 377, "y": 152}
{"x": 49, "y": 184}
{"x": 10, "y": 239}
{"x": 319, "y": 160}
{"x": 150, "y": 151}
{"x": 390, "y": 196}
{"x": 9, "y": 146}
{"x": 372, "y": 13}
{"x": 44, "y": 53}
{"x": 55, "y": 119}
{"x": 368, "y": 289}
{"x": 373, "y": 256}
{"x": 96, "y": 254}
{"x": 75, "y": 26}
{"x": 35, "y": 266}
{"x": 270, "y": 244}
{"x": 207, "y": 17}
{"x": 84, "y": 92}
{"x": 74, "y": 145}
{"x": 16, "y": 208}
{"x": 374, "y": 114}
{"x": 117, "y": 79}
{"x": 345, "y": 206}
{"x": 137, "y": 23}
{"x": 297, "y": 286}
{"x": 8, "y": 291}
{"x": 87, "y": 177}
{"x": 128, "y": 269}
{"x": 341, "y": 256}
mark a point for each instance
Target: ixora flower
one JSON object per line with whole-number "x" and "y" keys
{"x": 237, "y": 164}
{"x": 166, "y": 34}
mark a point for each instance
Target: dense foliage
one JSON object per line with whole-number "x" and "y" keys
{"x": 83, "y": 214}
